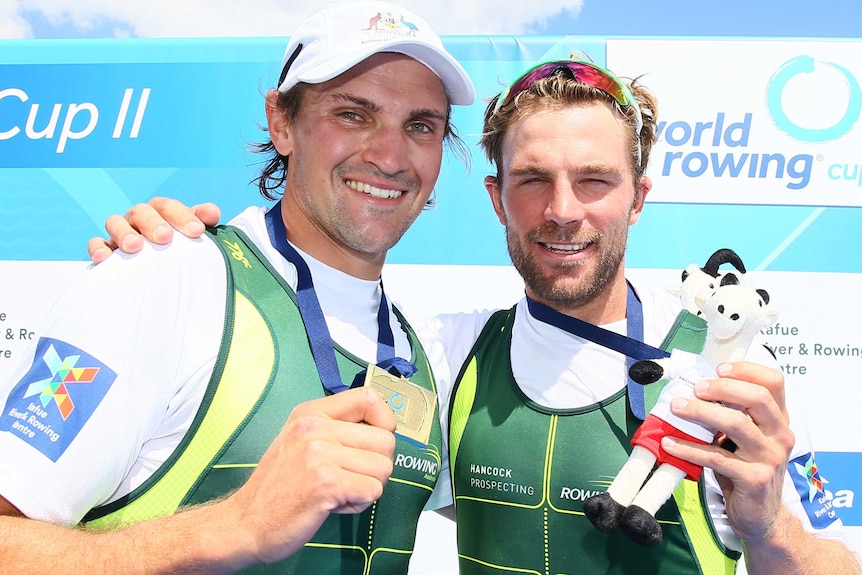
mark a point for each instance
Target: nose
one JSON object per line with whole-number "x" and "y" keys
{"x": 564, "y": 208}
{"x": 387, "y": 148}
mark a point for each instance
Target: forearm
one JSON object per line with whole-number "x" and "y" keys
{"x": 790, "y": 550}
{"x": 197, "y": 541}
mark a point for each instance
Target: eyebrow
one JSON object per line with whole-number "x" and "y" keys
{"x": 430, "y": 115}
{"x": 528, "y": 170}
{"x": 601, "y": 170}
{"x": 362, "y": 102}
{"x": 588, "y": 169}
{"x": 425, "y": 113}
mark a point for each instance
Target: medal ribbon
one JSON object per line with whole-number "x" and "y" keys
{"x": 632, "y": 345}
{"x": 315, "y": 323}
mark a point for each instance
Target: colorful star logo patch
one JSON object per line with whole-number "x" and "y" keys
{"x": 63, "y": 371}
{"x": 809, "y": 471}
{"x": 811, "y": 488}
{"x": 56, "y": 397}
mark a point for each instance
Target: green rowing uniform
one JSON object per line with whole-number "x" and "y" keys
{"x": 521, "y": 473}
{"x": 264, "y": 369}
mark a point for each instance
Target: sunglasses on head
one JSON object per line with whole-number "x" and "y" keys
{"x": 584, "y": 72}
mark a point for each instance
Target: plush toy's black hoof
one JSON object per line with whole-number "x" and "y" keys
{"x": 640, "y": 526}
{"x": 646, "y": 371}
{"x": 603, "y": 512}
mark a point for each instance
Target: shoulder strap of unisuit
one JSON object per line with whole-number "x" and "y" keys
{"x": 228, "y": 401}
{"x": 464, "y": 391}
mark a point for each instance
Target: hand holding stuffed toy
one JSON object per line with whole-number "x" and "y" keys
{"x": 734, "y": 314}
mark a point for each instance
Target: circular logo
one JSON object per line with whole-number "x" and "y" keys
{"x": 805, "y": 65}
{"x": 397, "y": 401}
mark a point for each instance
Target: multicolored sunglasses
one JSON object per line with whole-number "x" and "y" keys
{"x": 583, "y": 71}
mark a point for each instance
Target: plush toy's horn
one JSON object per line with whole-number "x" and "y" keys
{"x": 723, "y": 256}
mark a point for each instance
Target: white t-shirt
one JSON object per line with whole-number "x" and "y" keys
{"x": 580, "y": 373}
{"x": 163, "y": 358}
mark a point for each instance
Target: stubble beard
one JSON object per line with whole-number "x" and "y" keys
{"x": 364, "y": 235}
{"x": 568, "y": 285}
{"x": 361, "y": 232}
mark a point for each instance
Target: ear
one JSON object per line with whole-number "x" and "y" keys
{"x": 642, "y": 188}
{"x": 689, "y": 271}
{"x": 278, "y": 125}
{"x": 730, "y": 279}
{"x": 493, "y": 187}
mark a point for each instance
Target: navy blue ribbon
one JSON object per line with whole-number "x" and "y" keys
{"x": 315, "y": 324}
{"x": 632, "y": 345}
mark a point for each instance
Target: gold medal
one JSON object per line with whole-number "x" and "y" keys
{"x": 414, "y": 406}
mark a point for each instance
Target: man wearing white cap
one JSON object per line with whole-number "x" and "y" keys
{"x": 231, "y": 430}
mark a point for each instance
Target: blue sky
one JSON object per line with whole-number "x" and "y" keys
{"x": 165, "y": 18}
{"x": 795, "y": 18}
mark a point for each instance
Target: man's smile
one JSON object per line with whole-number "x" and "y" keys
{"x": 373, "y": 191}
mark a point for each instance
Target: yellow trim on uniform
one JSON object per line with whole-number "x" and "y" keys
{"x": 461, "y": 409}
{"x": 712, "y": 560}
{"x": 233, "y": 401}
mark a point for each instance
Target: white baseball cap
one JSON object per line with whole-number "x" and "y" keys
{"x": 340, "y": 36}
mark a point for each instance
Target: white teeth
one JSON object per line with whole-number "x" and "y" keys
{"x": 565, "y": 247}
{"x": 372, "y": 191}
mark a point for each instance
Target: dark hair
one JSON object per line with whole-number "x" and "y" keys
{"x": 274, "y": 172}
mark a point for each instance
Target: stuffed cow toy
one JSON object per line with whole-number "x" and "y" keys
{"x": 734, "y": 313}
